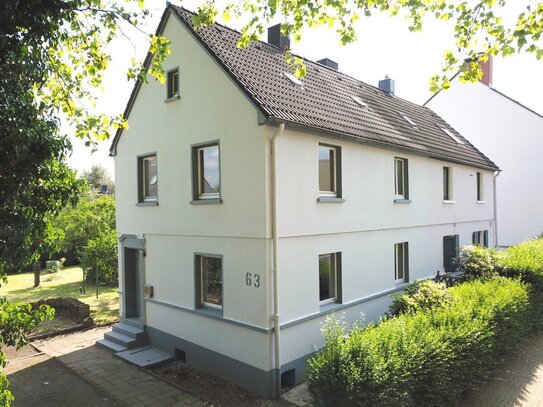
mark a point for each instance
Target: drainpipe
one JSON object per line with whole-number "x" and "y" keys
{"x": 275, "y": 241}
{"x": 496, "y": 174}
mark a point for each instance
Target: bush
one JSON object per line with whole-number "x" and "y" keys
{"x": 422, "y": 358}
{"x": 420, "y": 296}
{"x": 525, "y": 260}
{"x": 479, "y": 262}
{"x": 101, "y": 254}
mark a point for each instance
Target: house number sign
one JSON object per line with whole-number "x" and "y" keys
{"x": 252, "y": 280}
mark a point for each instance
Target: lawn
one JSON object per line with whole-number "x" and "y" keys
{"x": 65, "y": 283}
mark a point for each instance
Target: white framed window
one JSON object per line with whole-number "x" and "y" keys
{"x": 329, "y": 278}
{"x": 329, "y": 171}
{"x": 147, "y": 178}
{"x": 206, "y": 171}
{"x": 209, "y": 290}
{"x": 480, "y": 238}
{"x": 401, "y": 262}
{"x": 172, "y": 83}
{"x": 451, "y": 135}
{"x": 401, "y": 180}
{"x": 480, "y": 187}
{"x": 447, "y": 184}
{"x": 408, "y": 119}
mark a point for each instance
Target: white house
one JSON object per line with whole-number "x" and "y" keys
{"x": 512, "y": 136}
{"x": 252, "y": 204}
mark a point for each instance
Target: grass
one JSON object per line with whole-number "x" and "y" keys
{"x": 65, "y": 283}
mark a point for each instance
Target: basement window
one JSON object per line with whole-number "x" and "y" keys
{"x": 408, "y": 119}
{"x": 294, "y": 80}
{"x": 359, "y": 102}
{"x": 451, "y": 135}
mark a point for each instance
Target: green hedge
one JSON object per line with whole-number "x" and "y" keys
{"x": 425, "y": 357}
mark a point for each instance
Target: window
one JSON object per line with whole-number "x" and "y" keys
{"x": 401, "y": 186}
{"x": 480, "y": 195}
{"x": 329, "y": 278}
{"x": 329, "y": 171}
{"x": 206, "y": 171}
{"x": 294, "y": 80}
{"x": 147, "y": 178}
{"x": 359, "y": 102}
{"x": 172, "y": 83}
{"x": 451, "y": 135}
{"x": 447, "y": 184}
{"x": 451, "y": 250}
{"x": 401, "y": 262}
{"x": 480, "y": 238}
{"x": 408, "y": 120}
{"x": 209, "y": 281}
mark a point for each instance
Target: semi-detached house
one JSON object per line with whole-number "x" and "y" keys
{"x": 252, "y": 204}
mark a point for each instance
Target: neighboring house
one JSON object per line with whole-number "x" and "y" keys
{"x": 252, "y": 204}
{"x": 512, "y": 135}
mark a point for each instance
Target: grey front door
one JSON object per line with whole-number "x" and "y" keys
{"x": 132, "y": 284}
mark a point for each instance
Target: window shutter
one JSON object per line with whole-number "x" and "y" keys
{"x": 448, "y": 253}
{"x": 474, "y": 238}
{"x": 485, "y": 238}
{"x": 456, "y": 246}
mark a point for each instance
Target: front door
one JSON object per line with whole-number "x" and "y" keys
{"x": 450, "y": 251}
{"x": 132, "y": 284}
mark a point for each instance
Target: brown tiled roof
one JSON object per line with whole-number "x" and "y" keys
{"x": 325, "y": 102}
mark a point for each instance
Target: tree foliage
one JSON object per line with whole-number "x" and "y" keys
{"x": 479, "y": 27}
{"x": 98, "y": 177}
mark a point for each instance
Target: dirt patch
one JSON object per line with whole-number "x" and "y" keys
{"x": 210, "y": 388}
{"x": 60, "y": 324}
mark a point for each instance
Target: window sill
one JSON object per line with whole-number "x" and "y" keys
{"x": 402, "y": 201}
{"x": 147, "y": 203}
{"x": 445, "y": 201}
{"x": 213, "y": 312}
{"x": 330, "y": 199}
{"x": 172, "y": 99}
{"x": 213, "y": 201}
{"x": 401, "y": 283}
{"x": 481, "y": 202}
{"x": 328, "y": 306}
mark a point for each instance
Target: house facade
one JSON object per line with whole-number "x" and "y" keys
{"x": 512, "y": 135}
{"x": 251, "y": 204}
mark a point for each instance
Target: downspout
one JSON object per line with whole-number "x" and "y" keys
{"x": 496, "y": 174}
{"x": 275, "y": 243}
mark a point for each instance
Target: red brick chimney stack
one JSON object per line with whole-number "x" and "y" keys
{"x": 486, "y": 66}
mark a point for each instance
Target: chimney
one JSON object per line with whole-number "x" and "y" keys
{"x": 486, "y": 66}
{"x": 387, "y": 85}
{"x": 329, "y": 63}
{"x": 277, "y": 39}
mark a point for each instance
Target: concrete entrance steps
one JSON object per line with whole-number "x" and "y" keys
{"x": 131, "y": 344}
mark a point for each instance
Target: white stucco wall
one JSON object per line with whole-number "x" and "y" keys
{"x": 512, "y": 137}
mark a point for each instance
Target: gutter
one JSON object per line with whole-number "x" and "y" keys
{"x": 496, "y": 175}
{"x": 275, "y": 244}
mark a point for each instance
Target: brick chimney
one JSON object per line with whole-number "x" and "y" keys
{"x": 277, "y": 39}
{"x": 486, "y": 66}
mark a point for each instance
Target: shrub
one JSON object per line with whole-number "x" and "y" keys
{"x": 525, "y": 260}
{"x": 422, "y": 358}
{"x": 421, "y": 295}
{"x": 479, "y": 262}
{"x": 101, "y": 253}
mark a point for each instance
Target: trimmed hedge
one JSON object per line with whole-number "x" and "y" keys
{"x": 427, "y": 357}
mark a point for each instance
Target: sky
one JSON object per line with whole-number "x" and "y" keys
{"x": 385, "y": 47}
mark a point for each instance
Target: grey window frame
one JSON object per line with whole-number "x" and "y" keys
{"x": 404, "y": 181}
{"x": 142, "y": 199}
{"x": 447, "y": 184}
{"x": 404, "y": 261}
{"x": 336, "y": 166}
{"x": 480, "y": 238}
{"x": 172, "y": 78}
{"x": 199, "y": 302}
{"x": 480, "y": 187}
{"x": 197, "y": 197}
{"x": 336, "y": 258}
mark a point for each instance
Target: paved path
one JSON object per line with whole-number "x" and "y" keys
{"x": 120, "y": 382}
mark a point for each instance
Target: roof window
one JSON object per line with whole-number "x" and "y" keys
{"x": 359, "y": 102}
{"x": 408, "y": 119}
{"x": 451, "y": 135}
{"x": 294, "y": 80}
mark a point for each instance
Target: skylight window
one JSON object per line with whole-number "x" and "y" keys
{"x": 294, "y": 80}
{"x": 359, "y": 102}
{"x": 451, "y": 135}
{"x": 408, "y": 119}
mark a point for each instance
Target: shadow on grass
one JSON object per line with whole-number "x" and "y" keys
{"x": 508, "y": 385}
{"x": 41, "y": 292}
